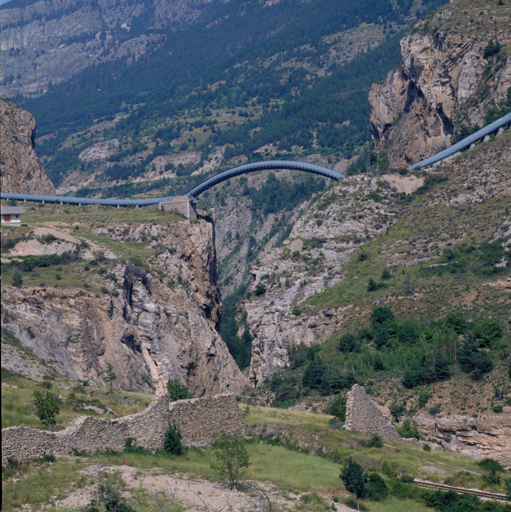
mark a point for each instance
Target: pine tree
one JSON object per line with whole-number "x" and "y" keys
{"x": 315, "y": 374}
{"x": 354, "y": 479}
{"x": 110, "y": 375}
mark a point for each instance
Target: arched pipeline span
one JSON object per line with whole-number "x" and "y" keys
{"x": 263, "y": 166}
{"x": 503, "y": 122}
{"x": 242, "y": 169}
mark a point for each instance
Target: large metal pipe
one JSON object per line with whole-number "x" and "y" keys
{"x": 463, "y": 144}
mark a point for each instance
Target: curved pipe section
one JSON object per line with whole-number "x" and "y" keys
{"x": 259, "y": 166}
{"x": 263, "y": 166}
{"x": 84, "y": 200}
{"x": 463, "y": 144}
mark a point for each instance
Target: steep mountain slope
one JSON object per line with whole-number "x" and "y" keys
{"x": 45, "y": 42}
{"x": 20, "y": 168}
{"x": 455, "y": 77}
{"x": 461, "y": 202}
{"x": 134, "y": 290}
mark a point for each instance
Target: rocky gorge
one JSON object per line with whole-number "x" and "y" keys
{"x": 150, "y": 325}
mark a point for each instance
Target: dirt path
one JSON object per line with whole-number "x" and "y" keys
{"x": 193, "y": 494}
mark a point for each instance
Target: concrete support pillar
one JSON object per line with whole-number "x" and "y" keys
{"x": 180, "y": 204}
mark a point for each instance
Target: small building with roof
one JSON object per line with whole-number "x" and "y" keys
{"x": 11, "y": 215}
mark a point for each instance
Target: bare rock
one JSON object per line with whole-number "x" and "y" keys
{"x": 482, "y": 437}
{"x": 414, "y": 110}
{"x": 149, "y": 328}
{"x": 99, "y": 151}
{"x": 20, "y": 168}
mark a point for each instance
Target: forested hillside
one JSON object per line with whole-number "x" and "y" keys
{"x": 281, "y": 76}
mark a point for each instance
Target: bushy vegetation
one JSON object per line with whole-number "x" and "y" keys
{"x": 46, "y": 406}
{"x": 240, "y": 347}
{"x": 173, "y": 441}
{"x": 177, "y": 391}
{"x": 422, "y": 353}
{"x": 232, "y": 459}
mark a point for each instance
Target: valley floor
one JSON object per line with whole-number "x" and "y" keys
{"x": 295, "y": 459}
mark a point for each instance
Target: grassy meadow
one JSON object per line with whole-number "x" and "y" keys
{"x": 283, "y": 456}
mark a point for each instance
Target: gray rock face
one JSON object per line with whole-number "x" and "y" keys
{"x": 415, "y": 110}
{"x": 310, "y": 260}
{"x": 482, "y": 437}
{"x": 48, "y": 42}
{"x": 20, "y": 168}
{"x": 99, "y": 151}
{"x": 149, "y": 329}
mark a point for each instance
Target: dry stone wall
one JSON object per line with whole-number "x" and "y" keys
{"x": 362, "y": 415}
{"x": 200, "y": 421}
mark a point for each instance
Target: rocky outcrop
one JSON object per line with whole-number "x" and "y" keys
{"x": 16, "y": 361}
{"x": 151, "y": 326}
{"x": 417, "y": 108}
{"x": 20, "y": 168}
{"x": 352, "y": 212}
{"x": 481, "y": 437}
{"x": 99, "y": 151}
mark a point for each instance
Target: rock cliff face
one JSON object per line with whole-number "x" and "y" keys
{"x": 46, "y": 42}
{"x": 309, "y": 261}
{"x": 482, "y": 437}
{"x": 150, "y": 326}
{"x": 445, "y": 82}
{"x": 20, "y": 168}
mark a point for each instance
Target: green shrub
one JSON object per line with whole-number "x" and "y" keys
{"x": 372, "y": 285}
{"x": 354, "y": 479}
{"x": 17, "y": 280}
{"x": 408, "y": 430}
{"x": 385, "y": 274}
{"x": 426, "y": 448}
{"x": 109, "y": 497}
{"x": 348, "y": 343}
{"x": 375, "y": 441}
{"x": 498, "y": 408}
{"x": 396, "y": 409}
{"x": 231, "y": 458}
{"x": 177, "y": 391}
{"x": 376, "y": 490}
{"x": 424, "y": 396}
{"x": 260, "y": 289}
{"x": 172, "y": 442}
{"x": 491, "y": 465}
{"x": 435, "y": 409}
{"x": 47, "y": 458}
{"x": 46, "y": 407}
{"x": 131, "y": 447}
{"x": 487, "y": 333}
{"x": 338, "y": 408}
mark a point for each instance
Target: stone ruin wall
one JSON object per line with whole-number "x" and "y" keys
{"x": 202, "y": 419}
{"x": 362, "y": 415}
{"x": 199, "y": 419}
